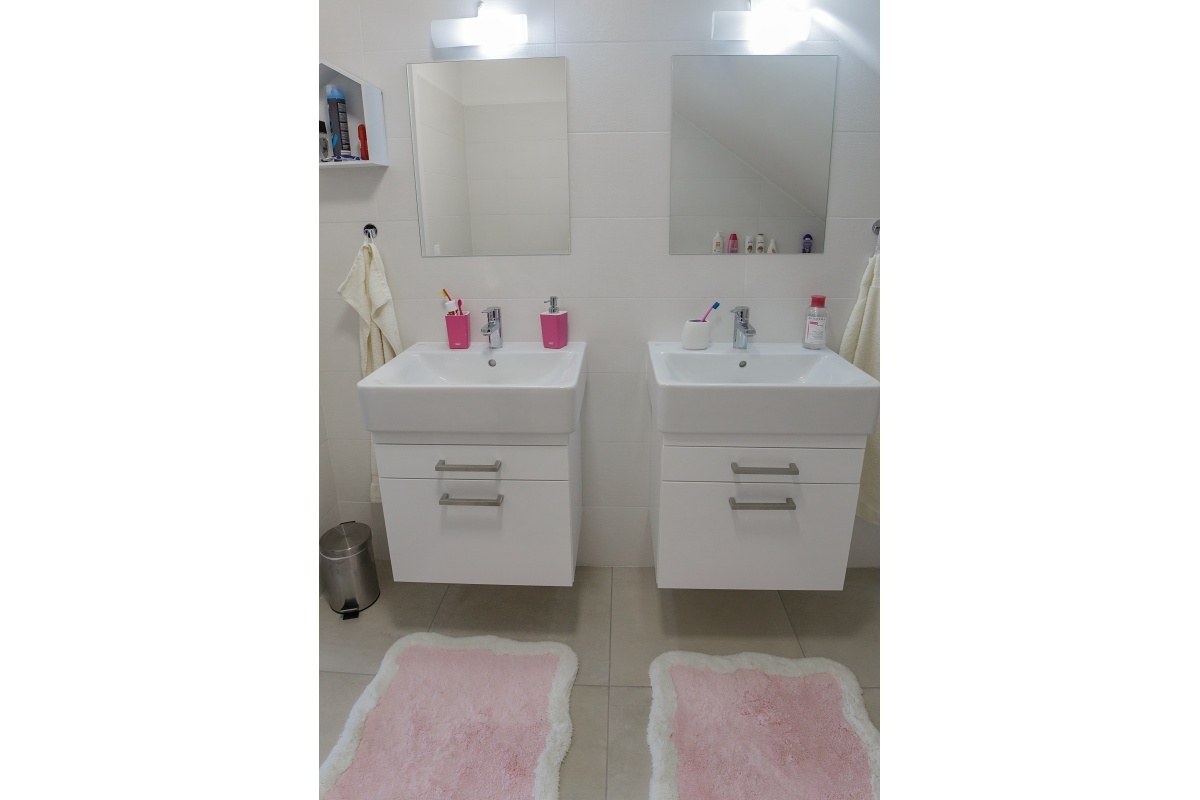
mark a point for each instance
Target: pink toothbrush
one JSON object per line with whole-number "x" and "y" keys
{"x": 706, "y": 313}
{"x": 460, "y": 307}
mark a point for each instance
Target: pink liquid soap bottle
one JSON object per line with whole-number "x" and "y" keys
{"x": 554, "y": 326}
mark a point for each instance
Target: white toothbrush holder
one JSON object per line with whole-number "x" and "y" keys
{"x": 695, "y": 334}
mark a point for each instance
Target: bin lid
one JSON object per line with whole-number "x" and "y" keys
{"x": 346, "y": 539}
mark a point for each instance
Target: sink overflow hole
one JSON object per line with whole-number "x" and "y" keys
{"x": 491, "y": 362}
{"x": 741, "y": 363}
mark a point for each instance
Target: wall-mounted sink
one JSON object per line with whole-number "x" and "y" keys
{"x": 519, "y": 388}
{"x": 767, "y": 388}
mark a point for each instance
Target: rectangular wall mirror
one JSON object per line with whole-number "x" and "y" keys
{"x": 751, "y": 138}
{"x": 490, "y": 149}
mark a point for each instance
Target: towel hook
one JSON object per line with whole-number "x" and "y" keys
{"x": 370, "y": 231}
{"x": 875, "y": 228}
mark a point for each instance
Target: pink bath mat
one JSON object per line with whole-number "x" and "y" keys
{"x": 759, "y": 726}
{"x": 476, "y": 718}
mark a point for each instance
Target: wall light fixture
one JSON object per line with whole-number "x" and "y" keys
{"x": 488, "y": 28}
{"x": 766, "y": 20}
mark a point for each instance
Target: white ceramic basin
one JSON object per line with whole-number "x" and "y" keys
{"x": 765, "y": 389}
{"x": 520, "y": 388}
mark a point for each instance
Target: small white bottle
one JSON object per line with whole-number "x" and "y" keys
{"x": 760, "y": 244}
{"x": 814, "y": 327}
{"x": 771, "y": 248}
{"x": 718, "y": 244}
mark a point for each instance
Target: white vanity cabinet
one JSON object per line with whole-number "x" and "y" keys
{"x": 504, "y": 512}
{"x": 755, "y": 517}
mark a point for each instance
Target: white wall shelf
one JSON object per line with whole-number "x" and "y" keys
{"x": 364, "y": 106}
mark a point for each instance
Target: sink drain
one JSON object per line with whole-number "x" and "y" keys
{"x": 491, "y": 362}
{"x": 741, "y": 363}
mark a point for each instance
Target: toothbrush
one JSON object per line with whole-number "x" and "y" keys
{"x": 706, "y": 313}
{"x": 460, "y": 313}
{"x": 445, "y": 294}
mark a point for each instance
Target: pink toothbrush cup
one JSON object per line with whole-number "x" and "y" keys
{"x": 458, "y": 331}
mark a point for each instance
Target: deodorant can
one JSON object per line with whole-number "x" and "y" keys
{"x": 339, "y": 125}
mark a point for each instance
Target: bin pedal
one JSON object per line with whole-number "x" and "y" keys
{"x": 349, "y": 610}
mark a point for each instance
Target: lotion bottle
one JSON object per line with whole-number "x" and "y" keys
{"x": 733, "y": 243}
{"x": 814, "y": 327}
{"x": 554, "y": 326}
{"x": 718, "y": 245}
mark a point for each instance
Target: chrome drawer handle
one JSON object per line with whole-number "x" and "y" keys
{"x": 790, "y": 469}
{"x": 447, "y": 500}
{"x": 442, "y": 466}
{"x": 787, "y": 505}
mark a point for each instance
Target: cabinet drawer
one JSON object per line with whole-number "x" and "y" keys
{"x": 702, "y": 542}
{"x": 813, "y": 465}
{"x": 472, "y": 462}
{"x": 526, "y": 539}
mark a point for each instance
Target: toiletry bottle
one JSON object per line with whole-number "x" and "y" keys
{"x": 362, "y": 143}
{"x": 339, "y": 124}
{"x": 807, "y": 248}
{"x": 733, "y": 243}
{"x": 554, "y": 326}
{"x": 325, "y": 154}
{"x": 760, "y": 244}
{"x": 814, "y": 327}
{"x": 717, "y": 243}
{"x": 771, "y": 248}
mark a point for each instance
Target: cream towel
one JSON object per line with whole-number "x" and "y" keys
{"x": 860, "y": 346}
{"x": 366, "y": 290}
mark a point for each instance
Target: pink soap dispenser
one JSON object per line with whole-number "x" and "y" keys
{"x": 554, "y": 326}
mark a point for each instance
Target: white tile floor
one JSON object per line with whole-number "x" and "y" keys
{"x": 617, "y": 620}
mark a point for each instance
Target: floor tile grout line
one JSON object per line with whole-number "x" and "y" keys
{"x": 343, "y": 672}
{"x": 607, "y": 730}
{"x": 612, "y": 598}
{"x": 791, "y": 623}
{"x": 433, "y": 619}
{"x": 612, "y": 577}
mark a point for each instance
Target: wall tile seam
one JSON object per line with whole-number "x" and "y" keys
{"x": 691, "y": 41}
{"x": 623, "y": 216}
{"x": 571, "y": 133}
{"x": 639, "y": 442}
{"x": 637, "y": 508}
{"x": 343, "y": 372}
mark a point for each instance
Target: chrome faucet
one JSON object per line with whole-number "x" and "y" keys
{"x": 742, "y": 329}
{"x": 492, "y": 329}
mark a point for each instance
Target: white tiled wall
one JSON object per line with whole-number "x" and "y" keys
{"x": 618, "y": 283}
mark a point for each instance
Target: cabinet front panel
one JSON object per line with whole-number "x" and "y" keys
{"x": 812, "y": 465}
{"x": 526, "y": 539}
{"x": 472, "y": 462}
{"x": 702, "y": 542}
